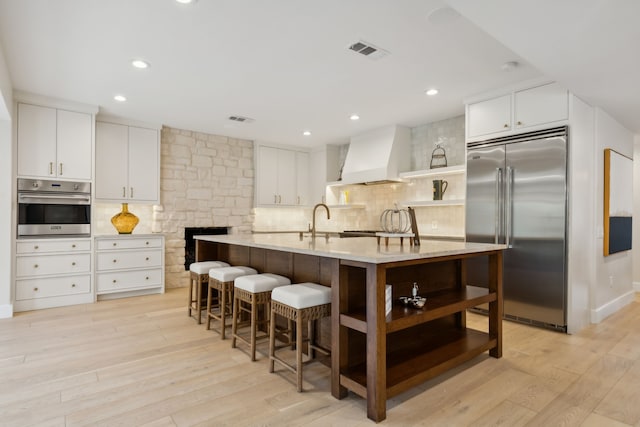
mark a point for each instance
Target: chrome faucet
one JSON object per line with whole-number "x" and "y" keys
{"x": 315, "y": 208}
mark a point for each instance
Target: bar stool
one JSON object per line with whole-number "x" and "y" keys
{"x": 303, "y": 302}
{"x": 255, "y": 291}
{"x": 199, "y": 275}
{"x": 221, "y": 280}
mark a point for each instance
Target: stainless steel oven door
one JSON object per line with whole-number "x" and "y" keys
{"x": 60, "y": 214}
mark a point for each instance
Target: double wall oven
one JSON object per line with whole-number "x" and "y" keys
{"x": 48, "y": 208}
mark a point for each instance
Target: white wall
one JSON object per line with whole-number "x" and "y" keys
{"x": 581, "y": 233}
{"x": 613, "y": 286}
{"x": 636, "y": 214}
{"x": 6, "y": 189}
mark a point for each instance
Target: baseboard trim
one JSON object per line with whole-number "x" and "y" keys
{"x": 6, "y": 311}
{"x": 636, "y": 286}
{"x": 601, "y": 313}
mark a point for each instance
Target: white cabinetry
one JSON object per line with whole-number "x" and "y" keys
{"x": 127, "y": 163}
{"x": 282, "y": 177}
{"x": 323, "y": 168}
{"x": 54, "y": 143}
{"x": 52, "y": 273}
{"x": 525, "y": 109}
{"x": 129, "y": 265}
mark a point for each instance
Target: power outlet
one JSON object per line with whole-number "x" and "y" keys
{"x": 434, "y": 225}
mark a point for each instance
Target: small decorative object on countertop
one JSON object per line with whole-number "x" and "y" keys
{"x": 395, "y": 220}
{"x": 438, "y": 158}
{"x": 124, "y": 221}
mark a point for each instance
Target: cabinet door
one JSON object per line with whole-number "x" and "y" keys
{"x": 287, "y": 188}
{"x": 36, "y": 141}
{"x": 302, "y": 178}
{"x": 144, "y": 167}
{"x": 490, "y": 116}
{"x": 111, "y": 161}
{"x": 539, "y": 105}
{"x": 267, "y": 176}
{"x": 74, "y": 148}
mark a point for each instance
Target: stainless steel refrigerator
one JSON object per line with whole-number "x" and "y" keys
{"x": 517, "y": 195}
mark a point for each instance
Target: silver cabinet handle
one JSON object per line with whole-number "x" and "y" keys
{"x": 275, "y": 198}
{"x": 498, "y": 212}
{"x": 124, "y": 191}
{"x": 509, "y": 207}
{"x": 279, "y": 199}
{"x": 131, "y": 193}
{"x": 60, "y": 168}
{"x": 50, "y": 168}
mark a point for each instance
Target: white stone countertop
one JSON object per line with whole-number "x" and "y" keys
{"x": 363, "y": 249}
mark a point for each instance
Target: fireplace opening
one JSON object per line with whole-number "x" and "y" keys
{"x": 190, "y": 243}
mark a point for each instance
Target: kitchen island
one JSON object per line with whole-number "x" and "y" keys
{"x": 374, "y": 354}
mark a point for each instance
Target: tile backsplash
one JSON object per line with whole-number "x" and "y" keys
{"x": 367, "y": 202}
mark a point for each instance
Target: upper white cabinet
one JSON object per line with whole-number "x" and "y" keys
{"x": 127, "y": 163}
{"x": 520, "y": 110}
{"x": 539, "y": 105}
{"x": 54, "y": 143}
{"x": 490, "y": 116}
{"x": 282, "y": 177}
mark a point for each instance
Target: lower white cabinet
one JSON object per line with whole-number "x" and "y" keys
{"x": 52, "y": 273}
{"x": 129, "y": 265}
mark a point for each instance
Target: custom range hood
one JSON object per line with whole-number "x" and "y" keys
{"x": 378, "y": 156}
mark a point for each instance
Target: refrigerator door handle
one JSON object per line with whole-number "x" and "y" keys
{"x": 498, "y": 211}
{"x": 509, "y": 207}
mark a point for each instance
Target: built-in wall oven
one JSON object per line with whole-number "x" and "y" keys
{"x": 48, "y": 208}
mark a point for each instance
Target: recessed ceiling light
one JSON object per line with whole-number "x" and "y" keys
{"x": 139, "y": 63}
{"x": 355, "y": 117}
{"x": 306, "y": 133}
{"x": 432, "y": 92}
{"x": 120, "y": 98}
{"x": 186, "y": 1}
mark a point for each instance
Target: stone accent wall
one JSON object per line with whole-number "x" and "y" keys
{"x": 205, "y": 181}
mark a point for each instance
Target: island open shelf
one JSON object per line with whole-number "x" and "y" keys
{"x": 439, "y": 303}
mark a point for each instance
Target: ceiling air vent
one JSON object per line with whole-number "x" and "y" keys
{"x": 241, "y": 119}
{"x": 369, "y": 50}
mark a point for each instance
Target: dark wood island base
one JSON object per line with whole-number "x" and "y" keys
{"x": 374, "y": 355}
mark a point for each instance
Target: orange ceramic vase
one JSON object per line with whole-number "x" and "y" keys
{"x": 125, "y": 221}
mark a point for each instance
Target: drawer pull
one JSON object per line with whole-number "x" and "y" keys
{"x": 36, "y": 247}
{"x": 114, "y": 280}
{"x": 146, "y": 259}
{"x": 35, "y": 266}
{"x": 73, "y": 246}
{"x": 506, "y": 125}
{"x": 146, "y": 278}
{"x": 146, "y": 243}
{"x": 519, "y": 123}
{"x": 73, "y": 263}
{"x": 73, "y": 285}
{"x": 35, "y": 289}
{"x": 115, "y": 260}
{"x": 115, "y": 244}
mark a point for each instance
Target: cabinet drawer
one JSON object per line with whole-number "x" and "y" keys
{"x": 27, "y": 266}
{"x": 48, "y": 246}
{"x": 122, "y": 280}
{"x": 128, "y": 243}
{"x": 52, "y": 287}
{"x": 118, "y": 260}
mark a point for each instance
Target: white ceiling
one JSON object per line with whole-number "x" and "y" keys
{"x": 285, "y": 63}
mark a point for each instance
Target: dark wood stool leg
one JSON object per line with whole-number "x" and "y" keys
{"x": 234, "y": 321}
{"x": 299, "y": 324}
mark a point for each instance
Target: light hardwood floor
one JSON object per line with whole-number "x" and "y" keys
{"x": 143, "y": 362}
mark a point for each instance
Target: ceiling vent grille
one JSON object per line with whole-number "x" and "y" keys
{"x": 241, "y": 119}
{"x": 368, "y": 49}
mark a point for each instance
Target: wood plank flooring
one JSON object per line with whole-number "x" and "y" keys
{"x": 143, "y": 362}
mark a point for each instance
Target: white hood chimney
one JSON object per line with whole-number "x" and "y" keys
{"x": 378, "y": 156}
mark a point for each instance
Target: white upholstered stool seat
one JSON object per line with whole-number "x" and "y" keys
{"x": 303, "y": 302}
{"x": 198, "y": 277}
{"x": 221, "y": 280}
{"x": 250, "y": 294}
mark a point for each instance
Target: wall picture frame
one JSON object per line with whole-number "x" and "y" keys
{"x": 618, "y": 202}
